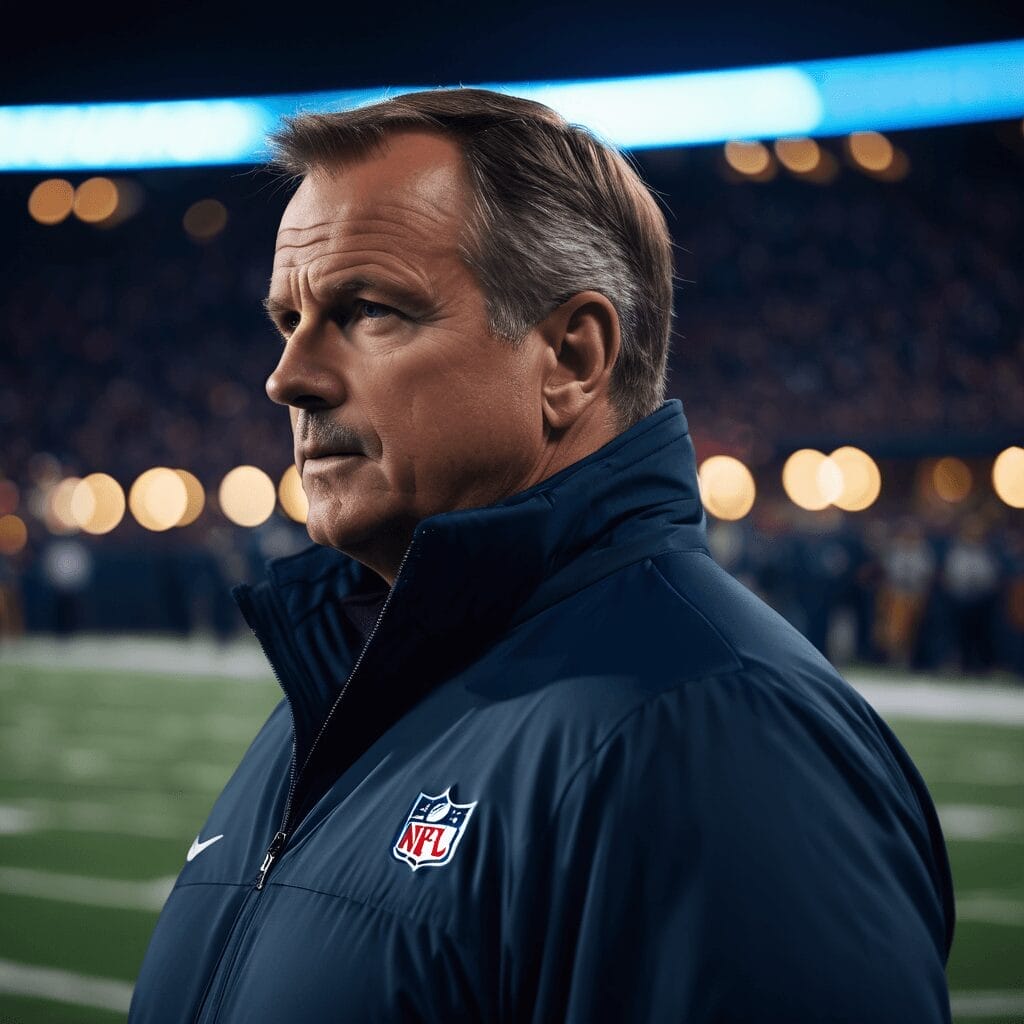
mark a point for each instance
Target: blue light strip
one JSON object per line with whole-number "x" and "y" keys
{"x": 958, "y": 84}
{"x": 981, "y": 82}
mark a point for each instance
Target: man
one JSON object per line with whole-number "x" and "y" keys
{"x": 540, "y": 759}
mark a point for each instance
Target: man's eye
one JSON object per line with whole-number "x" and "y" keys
{"x": 360, "y": 309}
{"x": 373, "y": 310}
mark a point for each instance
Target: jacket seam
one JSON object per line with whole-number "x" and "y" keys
{"x": 425, "y": 919}
{"x": 233, "y": 885}
{"x": 647, "y": 555}
{"x": 689, "y": 604}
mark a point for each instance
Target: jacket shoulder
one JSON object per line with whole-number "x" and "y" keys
{"x": 753, "y": 631}
{"x": 676, "y": 630}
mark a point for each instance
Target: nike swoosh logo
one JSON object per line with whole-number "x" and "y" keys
{"x": 197, "y": 847}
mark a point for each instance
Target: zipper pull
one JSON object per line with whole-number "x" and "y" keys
{"x": 276, "y": 845}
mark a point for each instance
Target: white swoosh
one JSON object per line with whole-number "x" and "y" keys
{"x": 197, "y": 847}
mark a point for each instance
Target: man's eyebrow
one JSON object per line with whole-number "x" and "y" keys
{"x": 342, "y": 289}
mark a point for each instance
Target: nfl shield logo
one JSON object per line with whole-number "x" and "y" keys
{"x": 431, "y": 831}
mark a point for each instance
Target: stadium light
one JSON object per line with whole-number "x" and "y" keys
{"x": 979, "y": 82}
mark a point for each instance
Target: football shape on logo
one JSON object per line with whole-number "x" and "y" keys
{"x": 438, "y": 811}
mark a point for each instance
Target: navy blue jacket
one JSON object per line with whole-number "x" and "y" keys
{"x": 576, "y": 773}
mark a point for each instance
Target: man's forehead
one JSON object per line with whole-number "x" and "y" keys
{"x": 417, "y": 183}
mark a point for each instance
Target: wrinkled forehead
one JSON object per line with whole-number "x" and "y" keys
{"x": 415, "y": 189}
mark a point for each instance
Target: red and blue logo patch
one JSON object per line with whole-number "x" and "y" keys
{"x": 432, "y": 830}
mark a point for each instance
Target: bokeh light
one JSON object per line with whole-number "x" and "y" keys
{"x": 801, "y": 156}
{"x": 13, "y": 534}
{"x": 862, "y": 479}
{"x": 811, "y": 479}
{"x": 97, "y": 503}
{"x": 1008, "y": 476}
{"x": 158, "y": 499}
{"x": 749, "y": 158}
{"x": 293, "y": 497}
{"x": 726, "y": 487}
{"x": 195, "y": 498}
{"x": 95, "y": 200}
{"x": 58, "y": 515}
{"x": 51, "y": 201}
{"x": 205, "y": 220}
{"x": 870, "y": 150}
{"x": 247, "y": 496}
{"x": 952, "y": 479}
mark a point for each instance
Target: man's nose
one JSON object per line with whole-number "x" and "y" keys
{"x": 305, "y": 376}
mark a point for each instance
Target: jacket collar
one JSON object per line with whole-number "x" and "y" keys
{"x": 478, "y": 571}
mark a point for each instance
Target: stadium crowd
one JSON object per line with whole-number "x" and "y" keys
{"x": 880, "y": 314}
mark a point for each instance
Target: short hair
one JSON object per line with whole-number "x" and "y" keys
{"x": 555, "y": 211}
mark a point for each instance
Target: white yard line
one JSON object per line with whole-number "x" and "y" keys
{"x": 94, "y": 892}
{"x": 64, "y": 986}
{"x": 197, "y": 656}
{"x": 159, "y": 820}
{"x": 913, "y": 698}
{"x": 990, "y": 908}
{"x": 986, "y": 1003}
{"x": 981, "y": 823}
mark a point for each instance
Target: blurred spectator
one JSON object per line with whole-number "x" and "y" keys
{"x": 908, "y": 567}
{"x": 67, "y": 566}
{"x": 1013, "y": 604}
{"x": 970, "y": 576}
{"x": 11, "y": 618}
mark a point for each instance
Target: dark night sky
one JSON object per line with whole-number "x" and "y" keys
{"x": 145, "y": 52}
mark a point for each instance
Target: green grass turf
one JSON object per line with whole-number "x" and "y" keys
{"x": 23, "y": 1010}
{"x": 116, "y": 771}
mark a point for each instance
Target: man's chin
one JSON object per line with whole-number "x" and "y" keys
{"x": 330, "y": 532}
{"x": 353, "y": 534}
{"x": 378, "y": 540}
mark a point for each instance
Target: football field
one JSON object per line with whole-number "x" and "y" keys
{"x": 111, "y": 753}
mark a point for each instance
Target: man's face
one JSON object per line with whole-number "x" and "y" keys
{"x": 387, "y": 353}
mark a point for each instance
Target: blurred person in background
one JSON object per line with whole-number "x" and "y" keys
{"x": 1013, "y": 600}
{"x": 970, "y": 579}
{"x": 67, "y": 566}
{"x": 865, "y": 586}
{"x": 824, "y": 567}
{"x": 909, "y": 568}
{"x": 12, "y": 619}
{"x": 539, "y": 758}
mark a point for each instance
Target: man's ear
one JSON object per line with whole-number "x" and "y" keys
{"x": 584, "y": 339}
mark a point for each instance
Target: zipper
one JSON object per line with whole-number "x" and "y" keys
{"x": 244, "y": 917}
{"x": 281, "y": 836}
{"x": 276, "y": 845}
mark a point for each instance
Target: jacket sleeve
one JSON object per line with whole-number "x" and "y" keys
{"x": 729, "y": 855}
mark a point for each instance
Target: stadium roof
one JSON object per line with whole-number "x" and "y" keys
{"x": 130, "y": 51}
